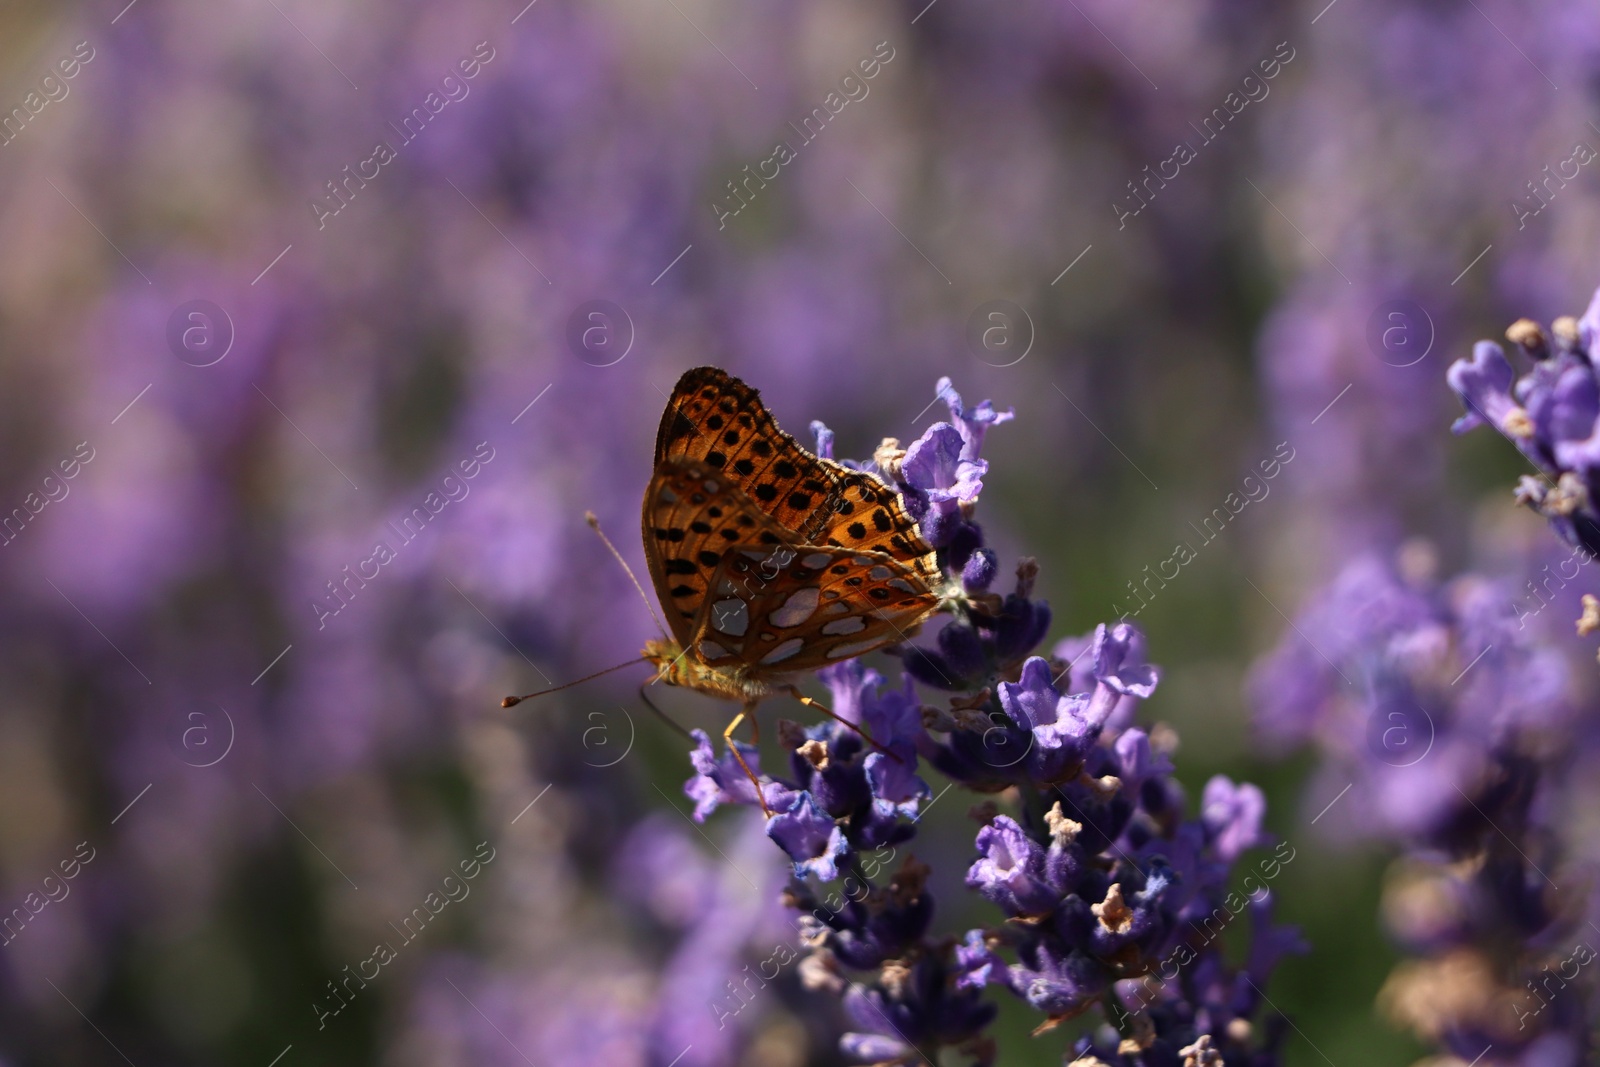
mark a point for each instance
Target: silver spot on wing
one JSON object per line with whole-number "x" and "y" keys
{"x": 784, "y": 651}
{"x": 800, "y": 606}
{"x": 854, "y": 649}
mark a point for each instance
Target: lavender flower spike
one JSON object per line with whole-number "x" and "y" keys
{"x": 1551, "y": 413}
{"x": 1098, "y": 881}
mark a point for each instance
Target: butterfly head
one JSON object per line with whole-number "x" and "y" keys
{"x": 674, "y": 666}
{"x": 667, "y": 657}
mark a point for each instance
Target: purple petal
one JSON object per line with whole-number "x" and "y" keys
{"x": 1484, "y": 385}
{"x": 1119, "y": 660}
{"x": 723, "y": 781}
{"x": 972, "y": 424}
{"x": 1232, "y": 815}
{"x": 824, "y": 437}
{"x": 933, "y": 461}
{"x": 811, "y": 838}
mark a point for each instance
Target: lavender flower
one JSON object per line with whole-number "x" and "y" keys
{"x": 1102, "y": 882}
{"x": 1442, "y": 724}
{"x": 1412, "y": 690}
{"x": 1107, "y": 883}
{"x": 209, "y": 522}
{"x": 1551, "y": 414}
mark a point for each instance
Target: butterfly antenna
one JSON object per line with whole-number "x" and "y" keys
{"x": 511, "y": 702}
{"x": 594, "y": 523}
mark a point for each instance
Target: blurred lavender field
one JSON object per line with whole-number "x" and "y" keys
{"x": 322, "y": 325}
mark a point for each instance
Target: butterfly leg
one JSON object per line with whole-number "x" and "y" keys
{"x": 727, "y": 737}
{"x": 808, "y": 702}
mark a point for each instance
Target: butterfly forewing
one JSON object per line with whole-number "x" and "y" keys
{"x": 870, "y": 516}
{"x": 715, "y": 418}
{"x": 692, "y": 516}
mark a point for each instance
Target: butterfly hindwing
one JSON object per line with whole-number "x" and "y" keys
{"x": 769, "y": 560}
{"x": 780, "y": 609}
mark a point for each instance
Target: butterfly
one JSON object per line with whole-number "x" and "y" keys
{"x": 769, "y": 561}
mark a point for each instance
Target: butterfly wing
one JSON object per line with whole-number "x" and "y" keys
{"x": 720, "y": 421}
{"x": 692, "y": 516}
{"x": 779, "y": 610}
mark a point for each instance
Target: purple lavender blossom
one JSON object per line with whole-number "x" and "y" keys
{"x": 1101, "y": 879}
{"x": 1411, "y": 689}
{"x": 1551, "y": 414}
{"x": 417, "y": 323}
{"x": 1440, "y": 723}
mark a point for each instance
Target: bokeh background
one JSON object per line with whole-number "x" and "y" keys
{"x": 267, "y": 388}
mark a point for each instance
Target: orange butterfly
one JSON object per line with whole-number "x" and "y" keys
{"x": 768, "y": 560}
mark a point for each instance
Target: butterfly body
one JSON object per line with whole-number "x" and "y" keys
{"x": 674, "y": 667}
{"x": 770, "y": 561}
